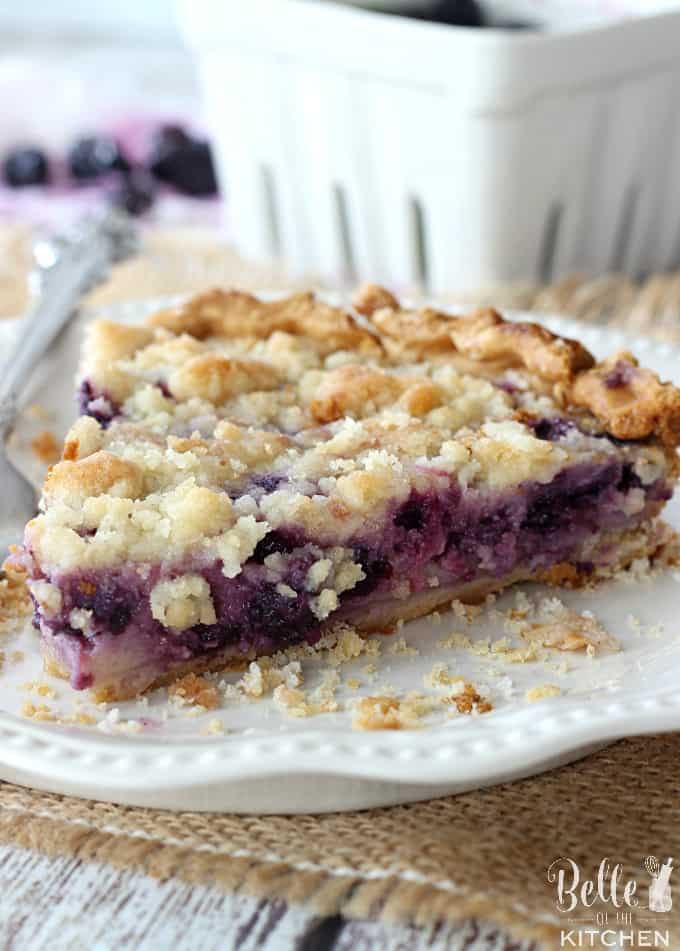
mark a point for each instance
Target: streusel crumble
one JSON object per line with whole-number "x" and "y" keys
{"x": 247, "y": 473}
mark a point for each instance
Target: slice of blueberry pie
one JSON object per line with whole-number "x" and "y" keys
{"x": 248, "y": 473}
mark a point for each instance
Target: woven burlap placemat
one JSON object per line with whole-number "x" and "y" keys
{"x": 483, "y": 854}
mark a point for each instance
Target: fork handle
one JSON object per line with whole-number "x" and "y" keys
{"x": 37, "y": 332}
{"x": 81, "y": 263}
{"x": 8, "y": 413}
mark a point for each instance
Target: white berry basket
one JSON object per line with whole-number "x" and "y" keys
{"x": 361, "y": 145}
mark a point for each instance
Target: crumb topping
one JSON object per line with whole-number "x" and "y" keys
{"x": 543, "y": 692}
{"x": 558, "y": 627}
{"x": 193, "y": 689}
{"x": 15, "y": 602}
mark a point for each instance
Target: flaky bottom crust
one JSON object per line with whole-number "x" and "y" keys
{"x": 617, "y": 553}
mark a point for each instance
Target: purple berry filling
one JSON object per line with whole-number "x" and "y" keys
{"x": 251, "y": 614}
{"x": 553, "y": 428}
{"x": 452, "y": 536}
{"x": 621, "y": 375}
{"x": 164, "y": 388}
{"x": 97, "y": 403}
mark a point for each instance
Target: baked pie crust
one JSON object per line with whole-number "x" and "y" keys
{"x": 248, "y": 473}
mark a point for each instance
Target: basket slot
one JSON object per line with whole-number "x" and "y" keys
{"x": 346, "y": 253}
{"x": 675, "y": 252}
{"x": 418, "y": 242}
{"x": 550, "y": 242}
{"x": 272, "y": 214}
{"x": 668, "y": 233}
{"x": 656, "y": 244}
{"x": 624, "y": 232}
{"x": 629, "y": 201}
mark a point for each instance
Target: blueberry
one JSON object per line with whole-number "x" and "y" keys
{"x": 135, "y": 193}
{"x": 164, "y": 388}
{"x": 185, "y": 163}
{"x": 411, "y": 515}
{"x": 545, "y": 513}
{"x": 552, "y": 428}
{"x": 270, "y": 481}
{"x": 272, "y": 543}
{"x": 25, "y": 166}
{"x": 375, "y": 568}
{"x": 110, "y": 600}
{"x": 94, "y": 156}
{"x": 167, "y": 141}
{"x": 96, "y": 404}
{"x": 629, "y": 478}
{"x": 558, "y": 502}
{"x": 285, "y": 619}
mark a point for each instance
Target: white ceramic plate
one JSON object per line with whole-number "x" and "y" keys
{"x": 268, "y": 762}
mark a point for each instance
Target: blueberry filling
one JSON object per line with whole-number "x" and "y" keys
{"x": 97, "y": 404}
{"x": 276, "y": 542}
{"x": 553, "y": 428}
{"x": 165, "y": 389}
{"x": 377, "y": 570}
{"x": 251, "y": 612}
{"x": 269, "y": 482}
{"x": 621, "y": 375}
{"x": 112, "y": 603}
{"x": 507, "y": 386}
{"x": 629, "y": 478}
{"x": 412, "y": 514}
{"x": 452, "y": 536}
{"x": 567, "y": 500}
{"x": 556, "y": 427}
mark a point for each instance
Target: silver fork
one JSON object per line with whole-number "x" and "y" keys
{"x": 66, "y": 268}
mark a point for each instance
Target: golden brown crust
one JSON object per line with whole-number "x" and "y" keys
{"x": 106, "y": 344}
{"x": 369, "y": 298}
{"x": 114, "y": 341}
{"x": 98, "y": 474}
{"x": 640, "y": 406}
{"x": 485, "y": 335}
{"x": 227, "y": 660}
{"x": 414, "y": 334}
{"x": 219, "y": 313}
{"x": 630, "y": 401}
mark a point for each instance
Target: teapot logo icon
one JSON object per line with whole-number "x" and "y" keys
{"x": 660, "y": 896}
